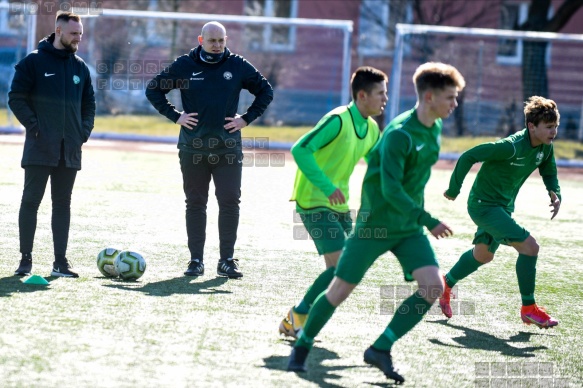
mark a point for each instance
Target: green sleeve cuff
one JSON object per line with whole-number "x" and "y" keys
{"x": 428, "y": 221}
{"x": 452, "y": 193}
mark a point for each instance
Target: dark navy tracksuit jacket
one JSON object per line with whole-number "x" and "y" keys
{"x": 211, "y": 90}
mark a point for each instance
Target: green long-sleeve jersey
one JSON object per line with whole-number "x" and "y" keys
{"x": 398, "y": 170}
{"x": 507, "y": 163}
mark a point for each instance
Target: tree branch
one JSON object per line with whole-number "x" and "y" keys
{"x": 563, "y": 15}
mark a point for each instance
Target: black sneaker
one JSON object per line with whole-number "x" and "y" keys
{"x": 25, "y": 266}
{"x": 63, "y": 269}
{"x": 382, "y": 359}
{"x": 297, "y": 359}
{"x": 195, "y": 268}
{"x": 229, "y": 268}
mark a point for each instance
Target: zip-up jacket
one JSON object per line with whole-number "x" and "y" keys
{"x": 211, "y": 90}
{"x": 52, "y": 97}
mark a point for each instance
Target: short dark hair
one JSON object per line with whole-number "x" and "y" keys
{"x": 437, "y": 75}
{"x": 364, "y": 78}
{"x": 66, "y": 16}
{"x": 539, "y": 109}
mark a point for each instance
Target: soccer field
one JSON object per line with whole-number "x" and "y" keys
{"x": 168, "y": 330}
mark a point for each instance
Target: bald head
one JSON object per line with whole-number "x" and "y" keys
{"x": 213, "y": 38}
{"x": 213, "y": 26}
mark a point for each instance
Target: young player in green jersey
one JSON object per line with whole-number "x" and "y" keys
{"x": 392, "y": 218}
{"x": 507, "y": 163}
{"x": 326, "y": 157}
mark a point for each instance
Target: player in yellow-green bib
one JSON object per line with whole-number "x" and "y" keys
{"x": 326, "y": 157}
{"x": 392, "y": 218}
{"x": 507, "y": 163}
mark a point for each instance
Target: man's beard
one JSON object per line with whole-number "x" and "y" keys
{"x": 69, "y": 47}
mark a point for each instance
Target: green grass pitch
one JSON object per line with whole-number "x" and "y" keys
{"x": 168, "y": 330}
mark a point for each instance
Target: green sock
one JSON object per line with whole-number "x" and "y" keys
{"x": 464, "y": 267}
{"x": 409, "y": 313}
{"x": 319, "y": 314}
{"x": 302, "y": 307}
{"x": 526, "y": 273}
{"x": 320, "y": 284}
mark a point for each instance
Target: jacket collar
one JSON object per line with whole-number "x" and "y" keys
{"x": 195, "y": 56}
{"x": 46, "y": 44}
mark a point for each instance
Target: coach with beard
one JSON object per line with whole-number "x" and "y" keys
{"x": 52, "y": 97}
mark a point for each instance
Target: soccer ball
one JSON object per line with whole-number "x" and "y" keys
{"x": 105, "y": 260}
{"x": 129, "y": 265}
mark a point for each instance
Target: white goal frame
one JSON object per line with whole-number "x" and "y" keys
{"x": 346, "y": 26}
{"x": 403, "y": 30}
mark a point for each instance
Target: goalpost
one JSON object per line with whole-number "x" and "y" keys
{"x": 497, "y": 77}
{"x": 307, "y": 61}
{"x": 310, "y": 79}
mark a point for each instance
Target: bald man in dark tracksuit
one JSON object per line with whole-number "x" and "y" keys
{"x": 210, "y": 79}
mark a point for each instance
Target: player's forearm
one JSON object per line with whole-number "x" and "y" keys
{"x": 552, "y": 184}
{"x": 462, "y": 167}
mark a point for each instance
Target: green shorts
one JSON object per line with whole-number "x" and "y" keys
{"x": 496, "y": 226}
{"x": 360, "y": 253}
{"x": 328, "y": 229}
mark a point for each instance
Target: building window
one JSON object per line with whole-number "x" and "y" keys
{"x": 271, "y": 37}
{"x": 513, "y": 15}
{"x": 376, "y": 25}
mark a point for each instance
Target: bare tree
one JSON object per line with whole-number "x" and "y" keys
{"x": 534, "y": 69}
{"x": 442, "y": 13}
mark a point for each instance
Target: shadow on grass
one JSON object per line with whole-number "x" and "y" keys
{"x": 317, "y": 373}
{"x": 475, "y": 339}
{"x": 180, "y": 285}
{"x": 13, "y": 284}
{"x": 321, "y": 375}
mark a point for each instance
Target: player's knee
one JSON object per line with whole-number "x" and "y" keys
{"x": 331, "y": 258}
{"x": 431, "y": 292}
{"x": 532, "y": 247}
{"x": 528, "y": 247}
{"x": 484, "y": 258}
{"x": 431, "y": 287}
{"x": 483, "y": 255}
{"x": 338, "y": 291}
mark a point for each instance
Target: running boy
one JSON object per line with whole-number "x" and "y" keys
{"x": 392, "y": 217}
{"x": 507, "y": 164}
{"x": 326, "y": 157}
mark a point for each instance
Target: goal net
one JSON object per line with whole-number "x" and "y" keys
{"x": 501, "y": 68}
{"x": 306, "y": 61}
